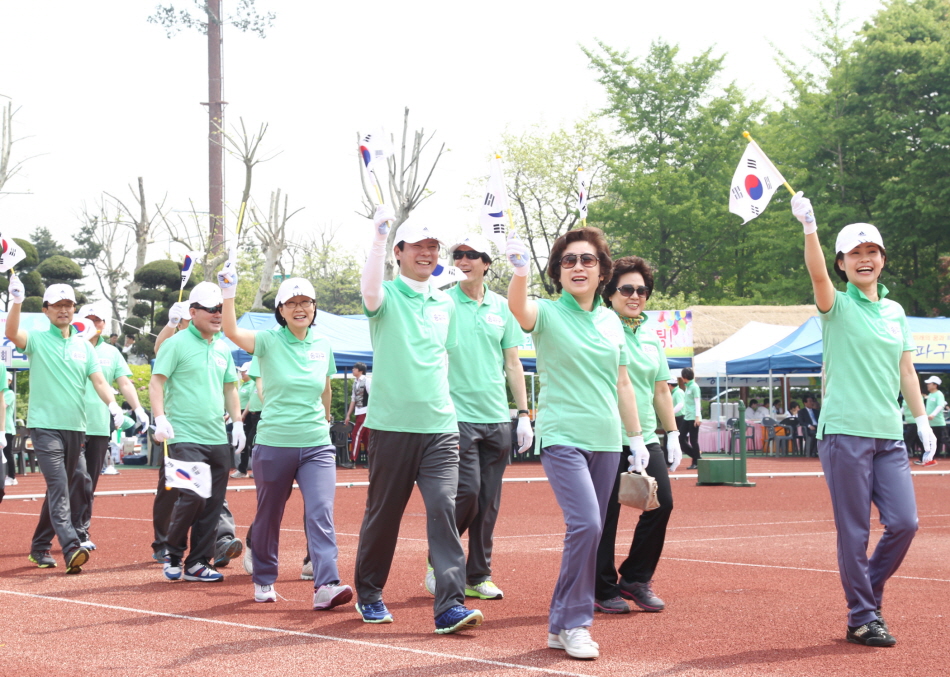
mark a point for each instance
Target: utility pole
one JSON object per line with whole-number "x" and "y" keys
{"x": 215, "y": 125}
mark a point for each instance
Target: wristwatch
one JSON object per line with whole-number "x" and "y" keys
{"x": 524, "y": 411}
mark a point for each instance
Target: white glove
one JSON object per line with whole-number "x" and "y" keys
{"x": 142, "y": 418}
{"x": 927, "y": 437}
{"x": 177, "y": 313}
{"x": 117, "y": 414}
{"x": 517, "y": 254}
{"x": 640, "y": 457}
{"x": 238, "y": 438}
{"x": 801, "y": 209}
{"x": 163, "y": 429}
{"x": 525, "y": 434}
{"x": 383, "y": 219}
{"x": 16, "y": 289}
{"x": 674, "y": 453}
{"x": 3, "y": 440}
{"x": 228, "y": 280}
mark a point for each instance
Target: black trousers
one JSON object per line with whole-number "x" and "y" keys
{"x": 8, "y": 454}
{"x": 648, "y": 536}
{"x": 689, "y": 438}
{"x": 250, "y": 432}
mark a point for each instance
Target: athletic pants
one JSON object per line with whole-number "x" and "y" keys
{"x": 58, "y": 453}
{"x": 861, "y": 471}
{"x": 8, "y": 454}
{"x": 193, "y": 513}
{"x": 648, "y": 537}
{"x": 396, "y": 461}
{"x": 689, "y": 438}
{"x": 275, "y": 469}
{"x": 360, "y": 436}
{"x": 582, "y": 481}
{"x": 484, "y": 449}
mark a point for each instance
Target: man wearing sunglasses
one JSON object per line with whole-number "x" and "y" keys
{"x": 486, "y": 355}
{"x": 192, "y": 383}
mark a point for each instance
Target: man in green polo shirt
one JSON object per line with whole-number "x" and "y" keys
{"x": 415, "y": 436}
{"x": 60, "y": 364}
{"x": 251, "y": 413}
{"x": 934, "y": 404}
{"x": 485, "y": 356}
{"x": 98, "y": 421}
{"x": 192, "y": 383}
{"x": 692, "y": 417}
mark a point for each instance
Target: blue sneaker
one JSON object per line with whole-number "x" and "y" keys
{"x": 374, "y": 613}
{"x": 172, "y": 567}
{"x": 457, "y": 618}
{"x": 202, "y": 572}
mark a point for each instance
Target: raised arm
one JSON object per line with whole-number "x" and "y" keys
{"x": 814, "y": 257}
{"x": 371, "y": 281}
{"x": 242, "y": 338}
{"x": 524, "y": 309}
{"x": 178, "y": 318}
{"x": 13, "y": 332}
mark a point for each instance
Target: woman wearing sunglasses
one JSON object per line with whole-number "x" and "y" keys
{"x": 626, "y": 295}
{"x": 866, "y": 342}
{"x": 293, "y": 437}
{"x": 585, "y": 394}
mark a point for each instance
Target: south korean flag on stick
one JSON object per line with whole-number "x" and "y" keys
{"x": 755, "y": 181}
{"x": 494, "y": 211}
{"x": 192, "y": 475}
{"x": 10, "y": 252}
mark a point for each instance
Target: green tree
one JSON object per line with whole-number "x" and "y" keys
{"x": 335, "y": 276}
{"x": 46, "y": 246}
{"x": 682, "y": 139}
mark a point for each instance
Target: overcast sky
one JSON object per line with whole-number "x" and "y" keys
{"x": 105, "y": 97}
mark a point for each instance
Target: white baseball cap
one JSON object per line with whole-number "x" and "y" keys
{"x": 244, "y": 367}
{"x": 476, "y": 242}
{"x": 412, "y": 231}
{"x": 206, "y": 294}
{"x": 295, "y": 286}
{"x": 857, "y": 233}
{"x": 934, "y": 379}
{"x": 59, "y": 292}
{"x": 100, "y": 309}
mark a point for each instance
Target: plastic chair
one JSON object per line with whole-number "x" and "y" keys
{"x": 339, "y": 437}
{"x": 787, "y": 440}
{"x": 769, "y": 445}
{"x": 21, "y": 451}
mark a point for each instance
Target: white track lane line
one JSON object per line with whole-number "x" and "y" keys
{"x": 779, "y": 566}
{"x": 297, "y": 633}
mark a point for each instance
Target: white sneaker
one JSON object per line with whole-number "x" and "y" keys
{"x": 8, "y": 481}
{"x": 576, "y": 642}
{"x": 238, "y": 475}
{"x": 110, "y": 471}
{"x": 484, "y": 590}
{"x": 264, "y": 593}
{"x": 329, "y": 596}
{"x": 430, "y": 579}
{"x": 248, "y": 561}
{"x": 88, "y": 545}
{"x": 306, "y": 573}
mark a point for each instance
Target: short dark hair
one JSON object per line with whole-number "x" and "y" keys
{"x": 793, "y": 405}
{"x": 839, "y": 257}
{"x": 751, "y": 402}
{"x": 624, "y": 265}
{"x": 594, "y": 236}
{"x": 361, "y": 366}
{"x": 113, "y": 336}
{"x": 687, "y": 373}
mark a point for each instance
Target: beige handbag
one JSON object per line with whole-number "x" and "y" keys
{"x": 638, "y": 490}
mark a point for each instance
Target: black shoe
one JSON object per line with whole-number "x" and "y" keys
{"x": 76, "y": 559}
{"x": 693, "y": 467}
{"x": 870, "y": 634}
{"x": 880, "y": 617}
{"x": 348, "y": 466}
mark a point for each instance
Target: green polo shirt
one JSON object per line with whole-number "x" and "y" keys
{"x": 113, "y": 366}
{"x": 59, "y": 369}
{"x": 689, "y": 402}
{"x": 679, "y": 397}
{"x": 9, "y": 398}
{"x": 935, "y": 403}
{"x": 244, "y": 392}
{"x": 863, "y": 342}
{"x": 477, "y": 363}
{"x": 647, "y": 365}
{"x": 579, "y": 358}
{"x": 412, "y": 333}
{"x": 295, "y": 373}
{"x": 254, "y": 371}
{"x": 194, "y": 392}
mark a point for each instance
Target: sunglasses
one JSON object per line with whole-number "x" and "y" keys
{"x": 587, "y": 260}
{"x": 629, "y": 290}
{"x": 469, "y": 254}
{"x": 211, "y": 311}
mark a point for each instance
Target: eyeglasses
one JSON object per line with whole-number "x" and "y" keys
{"x": 470, "y": 254}
{"x": 629, "y": 290}
{"x": 587, "y": 260}
{"x": 302, "y": 305}
{"x": 211, "y": 311}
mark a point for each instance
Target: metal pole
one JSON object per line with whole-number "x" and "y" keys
{"x": 215, "y": 122}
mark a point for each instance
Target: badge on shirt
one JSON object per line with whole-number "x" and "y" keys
{"x": 104, "y": 361}
{"x": 439, "y": 317}
{"x": 316, "y": 355}
{"x": 220, "y": 361}
{"x": 612, "y": 334}
{"x": 893, "y": 328}
{"x": 650, "y": 350}
{"x": 495, "y": 320}
{"x": 78, "y": 355}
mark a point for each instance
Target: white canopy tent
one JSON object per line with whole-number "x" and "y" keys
{"x": 752, "y": 338}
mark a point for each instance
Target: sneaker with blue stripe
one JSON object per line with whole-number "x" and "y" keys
{"x": 171, "y": 567}
{"x": 457, "y": 618}
{"x": 374, "y": 613}
{"x": 202, "y": 572}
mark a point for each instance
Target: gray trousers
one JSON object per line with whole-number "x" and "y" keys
{"x": 484, "y": 449}
{"x": 860, "y": 471}
{"x": 58, "y": 452}
{"x": 396, "y": 461}
{"x": 193, "y": 513}
{"x": 275, "y": 469}
{"x": 582, "y": 481}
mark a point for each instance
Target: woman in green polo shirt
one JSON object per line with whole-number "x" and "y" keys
{"x": 627, "y": 292}
{"x": 868, "y": 359}
{"x": 585, "y": 393}
{"x": 934, "y": 404}
{"x": 293, "y": 436}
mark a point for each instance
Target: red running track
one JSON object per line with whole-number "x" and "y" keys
{"x": 749, "y": 577}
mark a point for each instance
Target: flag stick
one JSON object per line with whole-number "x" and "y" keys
{"x": 749, "y": 137}
{"x": 511, "y": 221}
{"x": 379, "y": 194}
